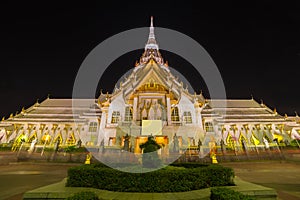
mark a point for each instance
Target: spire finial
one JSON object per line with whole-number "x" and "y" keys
{"x": 151, "y": 32}
{"x": 151, "y": 44}
{"x": 151, "y": 24}
{"x": 261, "y": 102}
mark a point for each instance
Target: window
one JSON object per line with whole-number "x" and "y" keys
{"x": 175, "y": 115}
{"x": 209, "y": 127}
{"x": 128, "y": 114}
{"x": 93, "y": 127}
{"x": 187, "y": 117}
{"x": 115, "y": 117}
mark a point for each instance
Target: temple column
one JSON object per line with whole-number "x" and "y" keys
{"x": 103, "y": 118}
{"x": 199, "y": 117}
{"x": 101, "y": 132}
{"x": 169, "y": 110}
{"x": 135, "y": 104}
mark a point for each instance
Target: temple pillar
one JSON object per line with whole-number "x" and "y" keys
{"x": 169, "y": 110}
{"x": 101, "y": 132}
{"x": 134, "y": 108}
{"x": 199, "y": 117}
{"x": 103, "y": 119}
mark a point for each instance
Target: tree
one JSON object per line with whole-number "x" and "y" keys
{"x": 150, "y": 157}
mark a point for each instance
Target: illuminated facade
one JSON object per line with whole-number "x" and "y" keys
{"x": 150, "y": 92}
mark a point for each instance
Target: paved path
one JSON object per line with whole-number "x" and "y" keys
{"x": 282, "y": 176}
{"x": 20, "y": 177}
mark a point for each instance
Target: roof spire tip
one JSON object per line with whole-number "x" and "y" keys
{"x": 151, "y": 24}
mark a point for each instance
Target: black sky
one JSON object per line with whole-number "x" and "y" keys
{"x": 255, "y": 46}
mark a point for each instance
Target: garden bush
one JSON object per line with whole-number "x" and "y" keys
{"x": 295, "y": 143}
{"x": 189, "y": 164}
{"x": 226, "y": 193}
{"x": 84, "y": 196}
{"x": 168, "y": 179}
{"x": 150, "y": 157}
{"x": 5, "y": 148}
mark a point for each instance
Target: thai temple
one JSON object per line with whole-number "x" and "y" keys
{"x": 149, "y": 101}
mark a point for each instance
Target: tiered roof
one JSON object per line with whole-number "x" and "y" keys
{"x": 237, "y": 110}
{"x": 58, "y": 111}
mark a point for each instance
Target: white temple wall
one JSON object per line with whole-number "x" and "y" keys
{"x": 118, "y": 104}
{"x": 109, "y": 132}
{"x": 185, "y": 105}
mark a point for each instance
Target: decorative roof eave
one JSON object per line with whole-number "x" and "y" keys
{"x": 5, "y": 124}
{"x": 235, "y": 108}
{"x": 250, "y": 120}
{"x": 49, "y": 120}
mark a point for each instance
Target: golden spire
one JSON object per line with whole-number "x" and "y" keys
{"x": 262, "y": 102}
{"x": 23, "y": 110}
{"x": 275, "y": 111}
{"x": 37, "y": 102}
{"x": 3, "y": 118}
{"x": 166, "y": 63}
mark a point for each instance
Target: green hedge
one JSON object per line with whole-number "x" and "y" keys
{"x": 189, "y": 165}
{"x": 5, "y": 148}
{"x": 225, "y": 194}
{"x": 84, "y": 196}
{"x": 168, "y": 179}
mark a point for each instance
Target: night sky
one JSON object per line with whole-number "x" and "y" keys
{"x": 255, "y": 46}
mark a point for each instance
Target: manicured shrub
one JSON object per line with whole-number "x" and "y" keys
{"x": 150, "y": 157}
{"x": 168, "y": 179}
{"x": 226, "y": 193}
{"x": 295, "y": 143}
{"x": 86, "y": 195}
{"x": 5, "y": 148}
{"x": 189, "y": 165}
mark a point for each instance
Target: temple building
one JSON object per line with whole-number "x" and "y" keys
{"x": 150, "y": 101}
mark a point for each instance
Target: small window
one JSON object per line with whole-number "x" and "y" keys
{"x": 209, "y": 127}
{"x": 115, "y": 117}
{"x": 187, "y": 117}
{"x": 175, "y": 115}
{"x": 93, "y": 127}
{"x": 128, "y": 114}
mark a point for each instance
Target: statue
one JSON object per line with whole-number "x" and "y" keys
{"x": 79, "y": 143}
{"x": 176, "y": 144}
{"x": 199, "y": 145}
{"x": 223, "y": 146}
{"x": 88, "y": 158}
{"x": 126, "y": 142}
{"x": 57, "y": 145}
{"x": 244, "y": 145}
{"x": 118, "y": 140}
{"x": 32, "y": 146}
{"x": 266, "y": 143}
{"x": 102, "y": 146}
